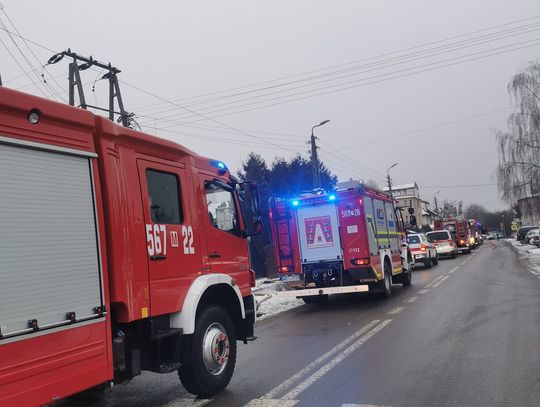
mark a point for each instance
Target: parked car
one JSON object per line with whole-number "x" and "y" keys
{"x": 533, "y": 236}
{"x": 522, "y": 232}
{"x": 492, "y": 235}
{"x": 422, "y": 250}
{"x": 444, "y": 243}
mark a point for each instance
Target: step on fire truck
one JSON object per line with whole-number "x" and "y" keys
{"x": 461, "y": 231}
{"x": 348, "y": 241}
{"x": 120, "y": 252}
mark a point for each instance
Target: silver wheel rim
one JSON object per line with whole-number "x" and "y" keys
{"x": 215, "y": 348}
{"x": 387, "y": 281}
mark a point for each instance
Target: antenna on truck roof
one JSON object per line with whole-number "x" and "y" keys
{"x": 75, "y": 82}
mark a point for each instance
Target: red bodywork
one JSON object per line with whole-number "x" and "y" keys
{"x": 357, "y": 258}
{"x": 53, "y": 364}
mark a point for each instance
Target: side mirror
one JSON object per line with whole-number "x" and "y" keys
{"x": 412, "y": 219}
{"x": 251, "y": 208}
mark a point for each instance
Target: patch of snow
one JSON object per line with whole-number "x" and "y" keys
{"x": 268, "y": 302}
{"x": 529, "y": 255}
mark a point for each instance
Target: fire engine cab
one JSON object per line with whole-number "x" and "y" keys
{"x": 348, "y": 241}
{"x": 120, "y": 252}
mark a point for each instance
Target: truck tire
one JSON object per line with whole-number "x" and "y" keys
{"x": 385, "y": 286}
{"x": 406, "y": 278}
{"x": 315, "y": 299}
{"x": 213, "y": 353}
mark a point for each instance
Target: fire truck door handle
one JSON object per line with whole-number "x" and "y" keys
{"x": 158, "y": 257}
{"x": 214, "y": 255}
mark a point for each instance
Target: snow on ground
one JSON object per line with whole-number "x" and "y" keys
{"x": 528, "y": 254}
{"x": 268, "y": 302}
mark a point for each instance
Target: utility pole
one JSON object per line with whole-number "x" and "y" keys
{"x": 389, "y": 181}
{"x": 314, "y": 157}
{"x": 80, "y": 63}
{"x": 436, "y": 205}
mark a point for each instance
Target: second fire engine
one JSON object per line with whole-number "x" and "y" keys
{"x": 348, "y": 241}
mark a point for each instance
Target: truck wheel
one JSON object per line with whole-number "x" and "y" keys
{"x": 406, "y": 278}
{"x": 213, "y": 354}
{"x": 315, "y": 299}
{"x": 386, "y": 284}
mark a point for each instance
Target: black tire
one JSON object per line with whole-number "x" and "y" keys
{"x": 406, "y": 278}
{"x": 428, "y": 263}
{"x": 436, "y": 259}
{"x": 315, "y": 299}
{"x": 196, "y": 377}
{"x": 454, "y": 255}
{"x": 385, "y": 286}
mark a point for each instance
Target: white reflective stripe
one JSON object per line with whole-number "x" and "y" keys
{"x": 185, "y": 318}
{"x": 271, "y": 403}
{"x": 324, "y": 291}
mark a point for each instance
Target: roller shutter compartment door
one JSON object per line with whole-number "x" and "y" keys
{"x": 49, "y": 260}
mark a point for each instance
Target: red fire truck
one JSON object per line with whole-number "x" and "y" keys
{"x": 460, "y": 230}
{"x": 120, "y": 252}
{"x": 348, "y": 241}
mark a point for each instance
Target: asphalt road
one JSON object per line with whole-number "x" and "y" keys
{"x": 466, "y": 333}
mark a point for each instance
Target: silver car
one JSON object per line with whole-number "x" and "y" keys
{"x": 444, "y": 243}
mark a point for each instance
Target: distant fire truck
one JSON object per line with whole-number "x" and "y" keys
{"x": 120, "y": 252}
{"x": 348, "y": 241}
{"x": 461, "y": 231}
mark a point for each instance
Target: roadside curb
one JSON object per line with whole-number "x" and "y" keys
{"x": 530, "y": 263}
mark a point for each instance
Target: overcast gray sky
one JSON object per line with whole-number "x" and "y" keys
{"x": 180, "y": 49}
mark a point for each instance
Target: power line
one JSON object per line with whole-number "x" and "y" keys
{"x": 32, "y": 52}
{"x": 344, "y": 86}
{"x": 412, "y": 132}
{"x": 204, "y": 116}
{"x": 357, "y": 61}
{"x": 372, "y": 67}
{"x": 457, "y": 186}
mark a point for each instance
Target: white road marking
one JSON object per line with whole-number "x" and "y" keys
{"x": 363, "y": 405}
{"x": 290, "y": 381}
{"x": 271, "y": 403}
{"x": 425, "y": 290}
{"x": 439, "y": 282}
{"x": 291, "y": 395}
{"x": 465, "y": 261}
{"x": 433, "y": 282}
{"x": 395, "y": 311}
{"x": 188, "y": 403}
{"x": 411, "y": 300}
{"x": 454, "y": 269}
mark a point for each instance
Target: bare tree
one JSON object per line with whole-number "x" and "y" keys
{"x": 518, "y": 172}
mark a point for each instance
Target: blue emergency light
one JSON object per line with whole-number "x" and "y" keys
{"x": 295, "y": 202}
{"x": 331, "y": 197}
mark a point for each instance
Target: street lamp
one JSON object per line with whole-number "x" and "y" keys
{"x": 314, "y": 158}
{"x": 389, "y": 181}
